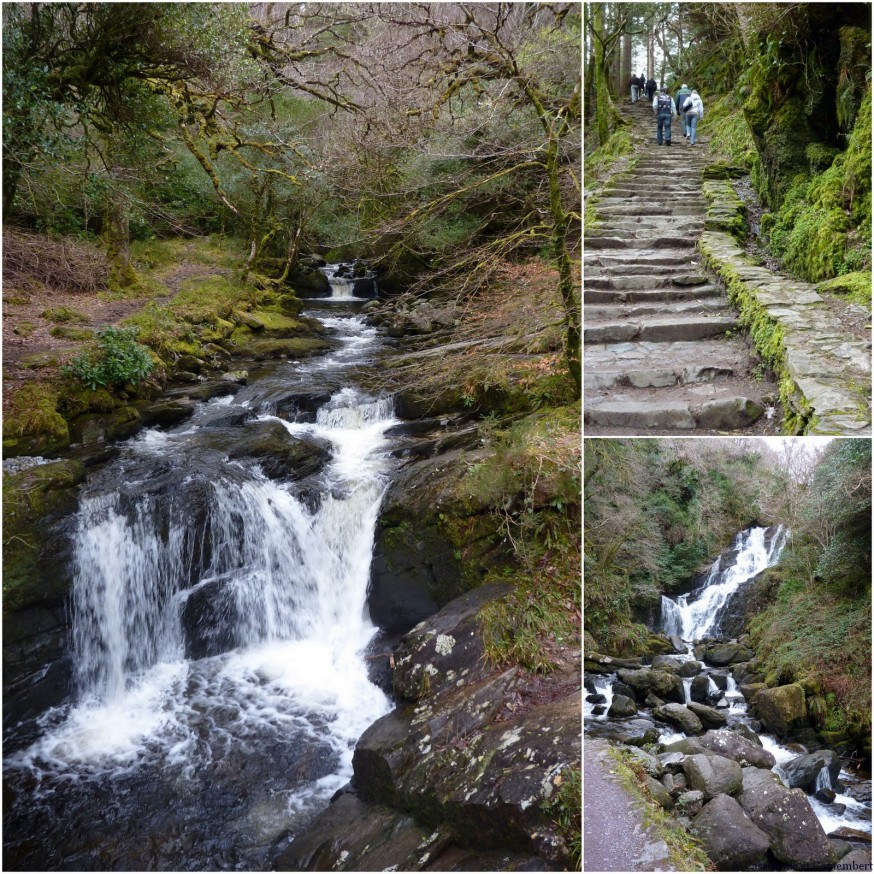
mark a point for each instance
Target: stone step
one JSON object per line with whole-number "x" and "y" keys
{"x": 688, "y": 226}
{"x": 655, "y": 377}
{"x": 607, "y": 209}
{"x": 607, "y": 295}
{"x": 659, "y": 329}
{"x": 684, "y": 279}
{"x": 618, "y": 312}
{"x": 678, "y": 241}
{"x": 689, "y": 361}
{"x": 643, "y": 186}
{"x": 631, "y": 267}
{"x": 722, "y": 412}
{"x": 671, "y": 257}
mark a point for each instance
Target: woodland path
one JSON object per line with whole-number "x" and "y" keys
{"x": 658, "y": 358}
{"x": 615, "y": 837}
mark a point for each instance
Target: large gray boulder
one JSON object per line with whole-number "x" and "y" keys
{"x": 737, "y": 748}
{"x": 666, "y": 685}
{"x": 722, "y": 654}
{"x": 681, "y": 716}
{"x": 713, "y": 775}
{"x": 803, "y": 771}
{"x": 785, "y": 815}
{"x": 699, "y": 691}
{"x": 730, "y": 839}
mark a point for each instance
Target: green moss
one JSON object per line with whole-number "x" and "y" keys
{"x": 292, "y": 348}
{"x": 820, "y": 156}
{"x": 33, "y": 424}
{"x": 65, "y": 332}
{"x": 24, "y": 329}
{"x": 855, "y": 287}
{"x": 566, "y": 810}
{"x": 62, "y": 315}
{"x": 28, "y": 498}
{"x": 600, "y": 161}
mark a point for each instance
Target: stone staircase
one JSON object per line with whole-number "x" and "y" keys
{"x": 659, "y": 354}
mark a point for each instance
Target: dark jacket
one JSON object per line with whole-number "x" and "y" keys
{"x": 651, "y": 87}
{"x": 680, "y": 97}
{"x": 635, "y": 81}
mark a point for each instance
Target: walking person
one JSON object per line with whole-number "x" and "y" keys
{"x": 679, "y": 100}
{"x": 664, "y": 109}
{"x": 635, "y": 88}
{"x": 693, "y": 108}
{"x": 650, "y": 87}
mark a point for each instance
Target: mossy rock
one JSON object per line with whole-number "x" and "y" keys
{"x": 820, "y": 156}
{"x": 33, "y": 500}
{"x": 724, "y": 170}
{"x": 292, "y": 348}
{"x": 34, "y": 426}
{"x": 65, "y": 332}
{"x": 219, "y": 330}
{"x": 60, "y": 315}
{"x": 120, "y": 424}
{"x": 76, "y": 398}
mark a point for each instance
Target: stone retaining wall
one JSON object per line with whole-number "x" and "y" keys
{"x": 824, "y": 373}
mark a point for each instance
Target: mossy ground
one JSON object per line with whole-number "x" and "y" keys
{"x": 183, "y": 304}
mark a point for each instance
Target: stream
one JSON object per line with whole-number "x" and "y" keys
{"x": 219, "y": 626}
{"x": 701, "y": 614}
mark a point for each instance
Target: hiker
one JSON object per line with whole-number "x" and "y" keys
{"x": 635, "y": 88}
{"x": 679, "y": 100}
{"x": 664, "y": 109}
{"x": 650, "y": 87}
{"x": 693, "y": 109}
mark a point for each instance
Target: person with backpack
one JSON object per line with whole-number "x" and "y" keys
{"x": 664, "y": 109}
{"x": 635, "y": 88}
{"x": 650, "y": 87}
{"x": 693, "y": 108}
{"x": 679, "y": 100}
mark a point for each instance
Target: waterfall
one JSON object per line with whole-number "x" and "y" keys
{"x": 755, "y": 552}
{"x": 343, "y": 287}
{"x": 283, "y": 576}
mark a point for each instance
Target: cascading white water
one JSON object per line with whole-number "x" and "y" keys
{"x": 295, "y": 580}
{"x": 824, "y": 779}
{"x": 342, "y": 287}
{"x": 692, "y": 621}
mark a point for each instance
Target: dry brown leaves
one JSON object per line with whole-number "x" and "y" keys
{"x": 59, "y": 265}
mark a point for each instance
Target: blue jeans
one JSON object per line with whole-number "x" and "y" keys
{"x": 691, "y": 124}
{"x": 664, "y": 122}
{"x": 634, "y": 93}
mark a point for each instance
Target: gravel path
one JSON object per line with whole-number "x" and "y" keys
{"x": 615, "y": 838}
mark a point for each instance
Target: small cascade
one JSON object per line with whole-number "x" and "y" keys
{"x": 343, "y": 283}
{"x": 824, "y": 780}
{"x": 736, "y": 702}
{"x": 687, "y": 690}
{"x": 755, "y": 552}
{"x": 603, "y": 686}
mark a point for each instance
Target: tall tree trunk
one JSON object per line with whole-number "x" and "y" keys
{"x": 116, "y": 238}
{"x": 602, "y": 89}
{"x": 625, "y": 74}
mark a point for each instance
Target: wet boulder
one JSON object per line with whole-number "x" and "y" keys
{"x": 354, "y": 835}
{"x": 804, "y": 771}
{"x": 713, "y": 775}
{"x": 681, "y": 716}
{"x": 745, "y": 731}
{"x": 605, "y": 664}
{"x": 699, "y": 691}
{"x": 730, "y": 839}
{"x": 628, "y": 731}
{"x": 662, "y": 683}
{"x": 622, "y": 706}
{"x": 710, "y": 717}
{"x": 750, "y": 690}
{"x": 279, "y": 454}
{"x": 737, "y": 748}
{"x": 781, "y": 707}
{"x": 682, "y": 667}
